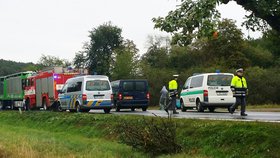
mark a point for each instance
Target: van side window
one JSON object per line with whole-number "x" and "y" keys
{"x": 196, "y": 82}
{"x": 115, "y": 86}
{"x": 74, "y": 87}
{"x": 187, "y": 83}
{"x": 64, "y": 88}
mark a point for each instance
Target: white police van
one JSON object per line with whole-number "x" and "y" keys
{"x": 209, "y": 90}
{"x": 84, "y": 93}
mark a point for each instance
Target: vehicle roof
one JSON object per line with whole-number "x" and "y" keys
{"x": 130, "y": 80}
{"x": 205, "y": 74}
{"x": 89, "y": 77}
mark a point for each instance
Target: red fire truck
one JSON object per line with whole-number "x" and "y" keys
{"x": 41, "y": 90}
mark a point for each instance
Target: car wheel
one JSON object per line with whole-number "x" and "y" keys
{"x": 183, "y": 108}
{"x": 78, "y": 107}
{"x": 86, "y": 110}
{"x": 59, "y": 108}
{"x": 211, "y": 109}
{"x": 118, "y": 108}
{"x": 144, "y": 108}
{"x": 107, "y": 110}
{"x": 199, "y": 107}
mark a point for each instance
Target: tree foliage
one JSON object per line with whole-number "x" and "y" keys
{"x": 49, "y": 61}
{"x": 196, "y": 19}
{"x": 103, "y": 41}
{"x": 126, "y": 61}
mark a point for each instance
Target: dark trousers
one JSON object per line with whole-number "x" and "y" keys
{"x": 240, "y": 101}
{"x": 172, "y": 103}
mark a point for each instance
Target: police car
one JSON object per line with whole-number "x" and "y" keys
{"x": 209, "y": 90}
{"x": 81, "y": 94}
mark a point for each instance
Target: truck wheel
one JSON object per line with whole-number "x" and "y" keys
{"x": 199, "y": 107}
{"x": 44, "y": 103}
{"x": 211, "y": 109}
{"x": 26, "y": 105}
{"x": 183, "y": 108}
{"x": 1, "y": 105}
{"x": 107, "y": 110}
{"x": 144, "y": 108}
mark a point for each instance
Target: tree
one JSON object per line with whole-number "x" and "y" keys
{"x": 195, "y": 19}
{"x": 48, "y": 61}
{"x": 158, "y": 52}
{"x": 126, "y": 61}
{"x": 103, "y": 41}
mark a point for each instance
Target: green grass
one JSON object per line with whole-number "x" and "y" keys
{"x": 50, "y": 134}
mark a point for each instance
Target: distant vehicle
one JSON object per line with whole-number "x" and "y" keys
{"x": 41, "y": 89}
{"x": 12, "y": 90}
{"x": 130, "y": 94}
{"x": 81, "y": 94}
{"x": 209, "y": 90}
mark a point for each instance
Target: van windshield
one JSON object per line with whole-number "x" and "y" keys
{"x": 219, "y": 80}
{"x": 97, "y": 85}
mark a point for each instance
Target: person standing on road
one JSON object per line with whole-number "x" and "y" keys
{"x": 239, "y": 90}
{"x": 173, "y": 93}
{"x": 163, "y": 98}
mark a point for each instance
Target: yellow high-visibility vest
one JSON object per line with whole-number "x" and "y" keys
{"x": 237, "y": 82}
{"x": 173, "y": 85}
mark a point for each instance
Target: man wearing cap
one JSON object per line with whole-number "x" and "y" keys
{"x": 239, "y": 90}
{"x": 173, "y": 92}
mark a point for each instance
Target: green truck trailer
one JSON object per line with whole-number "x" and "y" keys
{"x": 12, "y": 89}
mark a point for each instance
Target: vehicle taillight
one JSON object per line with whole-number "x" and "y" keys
{"x": 112, "y": 96}
{"x": 120, "y": 96}
{"x": 148, "y": 95}
{"x": 205, "y": 93}
{"x": 84, "y": 97}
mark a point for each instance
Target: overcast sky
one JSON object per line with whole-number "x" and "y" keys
{"x": 30, "y": 28}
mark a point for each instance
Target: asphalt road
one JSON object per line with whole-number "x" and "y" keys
{"x": 192, "y": 114}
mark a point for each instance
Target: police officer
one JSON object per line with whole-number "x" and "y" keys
{"x": 239, "y": 90}
{"x": 173, "y": 92}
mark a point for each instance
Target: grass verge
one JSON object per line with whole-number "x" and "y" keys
{"x": 50, "y": 134}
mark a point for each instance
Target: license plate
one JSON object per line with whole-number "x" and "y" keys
{"x": 221, "y": 94}
{"x": 98, "y": 97}
{"x": 128, "y": 97}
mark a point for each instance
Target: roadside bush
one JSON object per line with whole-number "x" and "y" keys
{"x": 153, "y": 136}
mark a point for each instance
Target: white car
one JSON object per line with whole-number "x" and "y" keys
{"x": 209, "y": 90}
{"x": 84, "y": 93}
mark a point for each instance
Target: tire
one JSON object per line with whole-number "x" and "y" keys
{"x": 144, "y": 108}
{"x": 86, "y": 110}
{"x": 132, "y": 109}
{"x": 107, "y": 110}
{"x": 118, "y": 108}
{"x": 211, "y": 109}
{"x": 59, "y": 108}
{"x": 44, "y": 104}
{"x": 78, "y": 107}
{"x": 26, "y": 106}
{"x": 183, "y": 108}
{"x": 199, "y": 107}
{"x": 1, "y": 105}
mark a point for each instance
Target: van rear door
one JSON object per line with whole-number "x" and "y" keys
{"x": 135, "y": 91}
{"x": 219, "y": 88}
